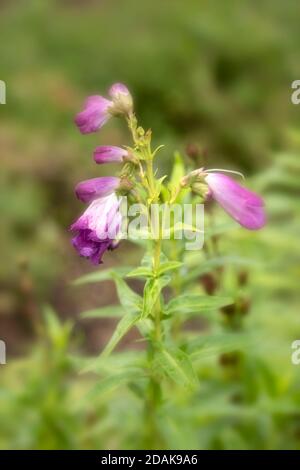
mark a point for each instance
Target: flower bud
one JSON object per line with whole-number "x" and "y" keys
{"x": 192, "y": 177}
{"x": 125, "y": 186}
{"x": 122, "y": 99}
{"x": 201, "y": 189}
{"x": 130, "y": 158}
{"x": 195, "y": 180}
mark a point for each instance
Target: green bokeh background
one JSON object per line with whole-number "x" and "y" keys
{"x": 212, "y": 74}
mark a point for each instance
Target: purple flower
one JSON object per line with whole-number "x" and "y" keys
{"x": 97, "y": 109}
{"x": 106, "y": 154}
{"x": 241, "y": 204}
{"x": 94, "y": 115}
{"x": 97, "y": 228}
{"x": 96, "y": 188}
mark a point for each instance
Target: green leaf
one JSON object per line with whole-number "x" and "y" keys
{"x": 124, "y": 325}
{"x": 59, "y": 333}
{"x": 140, "y": 272}
{"x": 131, "y": 301}
{"x": 152, "y": 290}
{"x": 116, "y": 362}
{"x": 158, "y": 184}
{"x": 213, "y": 263}
{"x": 110, "y": 383}
{"x": 190, "y": 303}
{"x": 178, "y": 170}
{"x": 210, "y": 345}
{"x": 176, "y": 365}
{"x": 108, "y": 311}
{"x": 147, "y": 260}
{"x": 169, "y": 266}
{"x": 52, "y": 322}
{"x": 103, "y": 275}
{"x": 180, "y": 227}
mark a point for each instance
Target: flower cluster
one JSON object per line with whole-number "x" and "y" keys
{"x": 98, "y": 227}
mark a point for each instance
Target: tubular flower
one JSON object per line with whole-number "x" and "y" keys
{"x": 95, "y": 188}
{"x": 106, "y": 154}
{"x": 244, "y": 206}
{"x": 97, "y": 109}
{"x": 98, "y": 228}
{"x": 94, "y": 115}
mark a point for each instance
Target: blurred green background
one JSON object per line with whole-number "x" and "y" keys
{"x": 208, "y": 75}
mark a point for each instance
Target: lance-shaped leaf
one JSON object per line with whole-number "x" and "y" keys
{"x": 112, "y": 382}
{"x": 213, "y": 263}
{"x": 130, "y": 300}
{"x": 152, "y": 290}
{"x": 209, "y": 345}
{"x": 180, "y": 227}
{"x": 110, "y": 311}
{"x": 169, "y": 266}
{"x": 176, "y": 365}
{"x": 116, "y": 362}
{"x": 194, "y": 303}
{"x": 178, "y": 172}
{"x": 124, "y": 325}
{"x": 102, "y": 275}
{"x": 140, "y": 272}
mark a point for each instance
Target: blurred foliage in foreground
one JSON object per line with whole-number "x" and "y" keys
{"x": 216, "y": 74}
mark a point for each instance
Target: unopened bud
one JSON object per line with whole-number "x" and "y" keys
{"x": 130, "y": 158}
{"x": 195, "y": 179}
{"x": 122, "y": 100}
{"x": 201, "y": 189}
{"x": 125, "y": 186}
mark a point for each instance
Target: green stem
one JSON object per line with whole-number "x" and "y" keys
{"x": 154, "y": 391}
{"x": 157, "y": 307}
{"x": 152, "y": 438}
{"x": 153, "y": 398}
{"x": 150, "y": 178}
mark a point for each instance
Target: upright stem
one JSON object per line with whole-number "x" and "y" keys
{"x": 157, "y": 307}
{"x": 153, "y": 395}
{"x": 154, "y": 391}
{"x": 150, "y": 177}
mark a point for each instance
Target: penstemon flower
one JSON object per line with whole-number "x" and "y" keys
{"x": 107, "y": 154}
{"x": 98, "y": 228}
{"x": 91, "y": 189}
{"x": 94, "y": 115}
{"x": 244, "y": 206}
{"x": 98, "y": 110}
